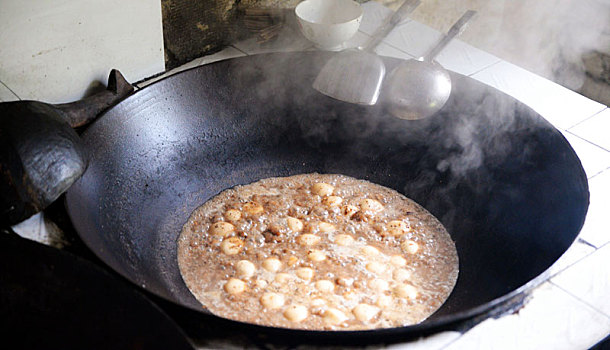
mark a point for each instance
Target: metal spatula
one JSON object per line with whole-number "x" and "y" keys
{"x": 355, "y": 75}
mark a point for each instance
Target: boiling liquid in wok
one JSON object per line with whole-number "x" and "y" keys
{"x": 320, "y": 252}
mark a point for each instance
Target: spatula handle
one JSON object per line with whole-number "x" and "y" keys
{"x": 454, "y": 31}
{"x": 403, "y": 11}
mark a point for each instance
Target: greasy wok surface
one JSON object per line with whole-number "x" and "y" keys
{"x": 506, "y": 185}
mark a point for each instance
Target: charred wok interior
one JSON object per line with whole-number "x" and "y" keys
{"x": 505, "y": 184}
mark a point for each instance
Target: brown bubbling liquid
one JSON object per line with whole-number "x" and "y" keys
{"x": 318, "y": 252}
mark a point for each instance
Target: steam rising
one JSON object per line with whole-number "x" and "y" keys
{"x": 547, "y": 37}
{"x": 322, "y": 120}
{"x": 434, "y": 160}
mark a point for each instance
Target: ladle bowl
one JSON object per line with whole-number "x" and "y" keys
{"x": 417, "y": 89}
{"x": 423, "y": 89}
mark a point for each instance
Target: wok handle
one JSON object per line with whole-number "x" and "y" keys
{"x": 81, "y": 112}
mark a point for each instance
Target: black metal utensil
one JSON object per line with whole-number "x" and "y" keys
{"x": 51, "y": 299}
{"x": 40, "y": 153}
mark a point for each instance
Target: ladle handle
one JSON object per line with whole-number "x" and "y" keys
{"x": 454, "y": 31}
{"x": 403, "y": 11}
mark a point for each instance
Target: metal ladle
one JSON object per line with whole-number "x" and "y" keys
{"x": 418, "y": 88}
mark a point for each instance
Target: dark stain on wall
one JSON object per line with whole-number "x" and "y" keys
{"x": 193, "y": 28}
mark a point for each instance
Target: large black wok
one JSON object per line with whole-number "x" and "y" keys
{"x": 504, "y": 182}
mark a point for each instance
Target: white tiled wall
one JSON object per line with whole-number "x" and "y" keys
{"x": 54, "y": 50}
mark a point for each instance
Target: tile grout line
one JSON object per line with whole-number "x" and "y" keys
{"x": 404, "y": 22}
{"x": 582, "y": 138}
{"x": 458, "y": 338}
{"x": 469, "y": 75}
{"x": 597, "y": 173}
{"x": 9, "y": 89}
{"x": 593, "y": 307}
{"x": 589, "y": 117}
{"x": 385, "y": 42}
{"x": 580, "y": 241}
{"x": 601, "y": 172}
{"x": 575, "y": 296}
{"x": 486, "y": 67}
{"x": 584, "y": 241}
{"x": 240, "y": 50}
{"x": 397, "y": 48}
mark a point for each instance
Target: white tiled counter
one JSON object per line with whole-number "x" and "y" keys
{"x": 570, "y": 310}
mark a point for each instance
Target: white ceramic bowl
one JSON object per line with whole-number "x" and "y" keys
{"x": 328, "y": 23}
